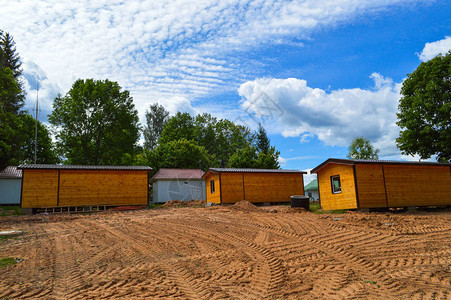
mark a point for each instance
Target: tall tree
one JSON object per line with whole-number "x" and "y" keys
{"x": 425, "y": 110}
{"x": 96, "y": 123}
{"x": 156, "y": 118}
{"x": 45, "y": 152}
{"x": 180, "y": 154}
{"x": 262, "y": 140}
{"x": 205, "y": 132}
{"x": 11, "y": 102}
{"x": 361, "y": 148}
{"x": 9, "y": 58}
{"x": 269, "y": 160}
{"x": 12, "y": 95}
{"x": 229, "y": 139}
{"x": 244, "y": 158}
{"x": 180, "y": 126}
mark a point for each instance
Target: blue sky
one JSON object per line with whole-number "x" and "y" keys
{"x": 316, "y": 73}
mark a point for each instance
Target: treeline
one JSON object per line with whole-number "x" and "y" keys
{"x": 96, "y": 123}
{"x": 203, "y": 141}
{"x": 17, "y": 127}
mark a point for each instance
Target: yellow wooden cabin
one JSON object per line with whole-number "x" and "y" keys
{"x": 63, "y": 185}
{"x": 349, "y": 184}
{"x": 254, "y": 185}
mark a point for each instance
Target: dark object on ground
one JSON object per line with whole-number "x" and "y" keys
{"x": 300, "y": 201}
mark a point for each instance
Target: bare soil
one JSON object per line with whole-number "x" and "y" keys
{"x": 234, "y": 252}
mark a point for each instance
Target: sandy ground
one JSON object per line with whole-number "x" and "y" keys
{"x": 229, "y": 253}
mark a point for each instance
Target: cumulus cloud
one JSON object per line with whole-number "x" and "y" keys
{"x": 335, "y": 117}
{"x": 162, "y": 49}
{"x": 309, "y": 177}
{"x": 433, "y": 49}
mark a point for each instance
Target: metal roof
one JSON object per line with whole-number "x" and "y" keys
{"x": 83, "y": 167}
{"x": 312, "y": 185}
{"x": 178, "y": 174}
{"x": 372, "y": 161}
{"x": 11, "y": 172}
{"x": 230, "y": 170}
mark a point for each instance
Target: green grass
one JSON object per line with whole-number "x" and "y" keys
{"x": 152, "y": 205}
{"x": 316, "y": 209}
{"x": 6, "y": 262}
{"x": 17, "y": 211}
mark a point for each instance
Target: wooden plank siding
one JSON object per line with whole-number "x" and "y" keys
{"x": 39, "y": 189}
{"x": 84, "y": 187}
{"x": 44, "y": 188}
{"x": 232, "y": 187}
{"x": 216, "y": 196}
{"x": 272, "y": 187}
{"x": 417, "y": 185}
{"x": 371, "y": 187}
{"x": 344, "y": 200}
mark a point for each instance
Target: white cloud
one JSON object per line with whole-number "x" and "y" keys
{"x": 162, "y": 49}
{"x": 297, "y": 110}
{"x": 282, "y": 161}
{"x": 309, "y": 177}
{"x": 433, "y": 49}
{"x": 306, "y": 137}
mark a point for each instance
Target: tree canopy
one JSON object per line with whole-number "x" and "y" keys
{"x": 361, "y": 148}
{"x": 425, "y": 110}
{"x": 96, "y": 123}
{"x": 262, "y": 140}
{"x": 180, "y": 154}
{"x": 156, "y": 118}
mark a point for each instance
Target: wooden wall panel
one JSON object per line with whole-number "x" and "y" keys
{"x": 417, "y": 185}
{"x": 40, "y": 188}
{"x": 232, "y": 187}
{"x": 370, "y": 183}
{"x": 85, "y": 187}
{"x": 272, "y": 187}
{"x": 213, "y": 197}
{"x": 344, "y": 200}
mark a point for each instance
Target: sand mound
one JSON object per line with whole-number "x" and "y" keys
{"x": 178, "y": 203}
{"x": 245, "y": 205}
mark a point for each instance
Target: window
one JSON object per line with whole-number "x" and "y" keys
{"x": 212, "y": 186}
{"x": 336, "y": 184}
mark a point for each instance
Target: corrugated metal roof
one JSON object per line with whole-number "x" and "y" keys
{"x": 312, "y": 185}
{"x": 11, "y": 172}
{"x": 372, "y": 161}
{"x": 84, "y": 167}
{"x": 178, "y": 174}
{"x": 230, "y": 170}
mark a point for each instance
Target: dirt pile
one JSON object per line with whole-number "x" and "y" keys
{"x": 245, "y": 206}
{"x": 178, "y": 203}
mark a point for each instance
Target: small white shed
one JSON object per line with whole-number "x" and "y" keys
{"x": 10, "y": 186}
{"x": 178, "y": 184}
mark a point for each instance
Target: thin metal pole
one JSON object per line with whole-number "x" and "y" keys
{"x": 36, "y": 126}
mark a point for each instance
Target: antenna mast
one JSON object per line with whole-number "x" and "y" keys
{"x": 36, "y": 126}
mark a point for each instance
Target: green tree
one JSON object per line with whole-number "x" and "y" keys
{"x": 156, "y": 118}
{"x": 205, "y": 132}
{"x": 229, "y": 139}
{"x": 268, "y": 160}
{"x": 425, "y": 110}
{"x": 361, "y": 148}
{"x": 9, "y": 58}
{"x": 180, "y": 154}
{"x": 180, "y": 126}
{"x": 96, "y": 123}
{"x": 246, "y": 157}
{"x": 262, "y": 140}
{"x": 10, "y": 138}
{"x": 45, "y": 152}
{"x": 12, "y": 94}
